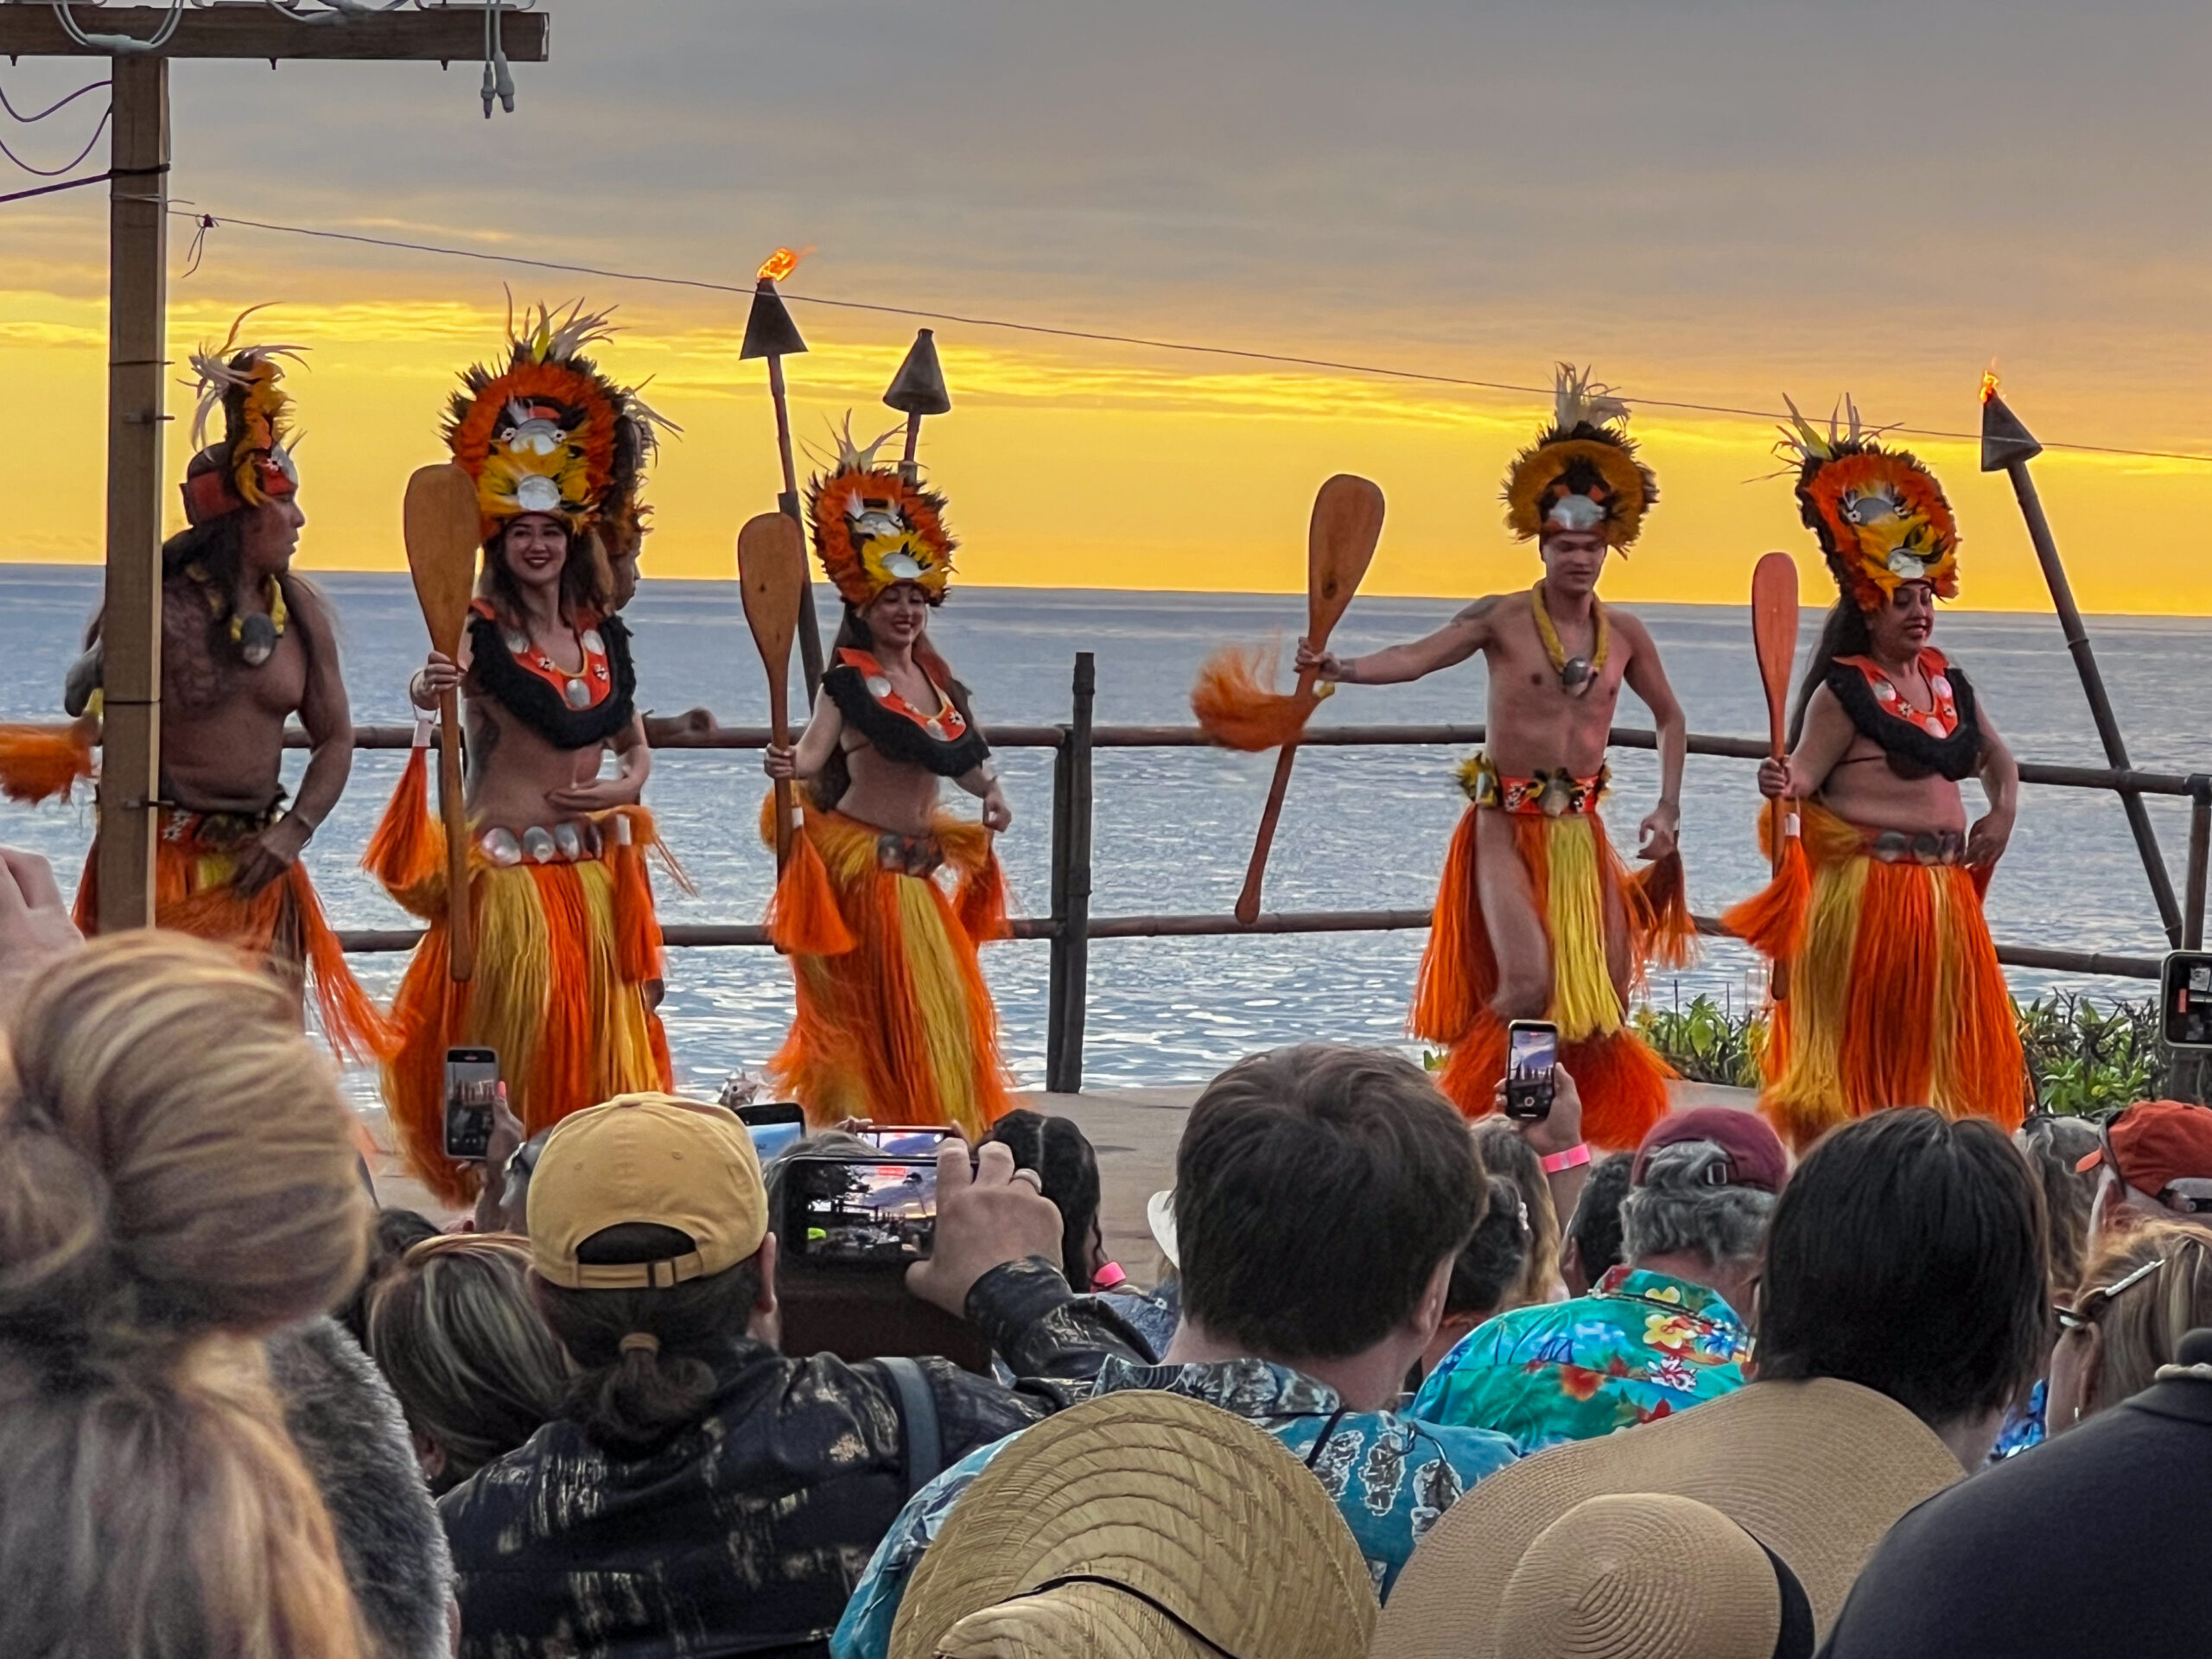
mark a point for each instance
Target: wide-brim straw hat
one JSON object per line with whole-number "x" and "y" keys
{"x": 1817, "y": 1471}
{"x": 1140, "y": 1525}
{"x": 1647, "y": 1575}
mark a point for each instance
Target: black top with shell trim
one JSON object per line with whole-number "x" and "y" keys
{"x": 1912, "y": 751}
{"x": 944, "y": 743}
{"x": 538, "y": 700}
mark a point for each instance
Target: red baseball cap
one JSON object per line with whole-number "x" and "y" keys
{"x": 1755, "y": 1155}
{"x": 2157, "y": 1142}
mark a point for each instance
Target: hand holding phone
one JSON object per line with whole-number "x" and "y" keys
{"x": 1531, "y": 1055}
{"x": 989, "y": 1214}
{"x": 472, "y": 1090}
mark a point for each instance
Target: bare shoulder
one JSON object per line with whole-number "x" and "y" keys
{"x": 1486, "y": 615}
{"x": 1630, "y": 627}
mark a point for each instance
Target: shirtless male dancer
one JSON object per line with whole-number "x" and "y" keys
{"x": 1537, "y": 916}
{"x": 1894, "y": 996}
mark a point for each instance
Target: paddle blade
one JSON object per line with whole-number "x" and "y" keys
{"x": 772, "y": 580}
{"x": 1774, "y": 630}
{"x": 1339, "y": 544}
{"x": 444, "y": 534}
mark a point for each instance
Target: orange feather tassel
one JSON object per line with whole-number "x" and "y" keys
{"x": 1235, "y": 702}
{"x": 37, "y": 762}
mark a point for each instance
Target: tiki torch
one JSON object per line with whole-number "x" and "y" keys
{"x": 770, "y": 332}
{"x": 918, "y": 390}
{"x": 2007, "y": 446}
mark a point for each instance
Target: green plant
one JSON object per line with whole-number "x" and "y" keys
{"x": 2084, "y": 1057}
{"x": 1705, "y": 1042}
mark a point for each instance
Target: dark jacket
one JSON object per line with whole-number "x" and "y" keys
{"x": 745, "y": 1532}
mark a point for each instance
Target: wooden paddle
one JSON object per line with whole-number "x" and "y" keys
{"x": 1340, "y": 540}
{"x": 1774, "y": 635}
{"x": 443, "y": 536}
{"x": 772, "y": 580}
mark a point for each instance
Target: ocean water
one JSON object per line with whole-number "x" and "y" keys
{"x": 1363, "y": 828}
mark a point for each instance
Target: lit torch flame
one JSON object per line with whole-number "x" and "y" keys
{"x": 1989, "y": 382}
{"x": 780, "y": 265}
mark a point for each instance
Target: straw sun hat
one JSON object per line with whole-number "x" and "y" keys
{"x": 1816, "y": 1472}
{"x": 1141, "y": 1526}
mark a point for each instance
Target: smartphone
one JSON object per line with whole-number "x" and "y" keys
{"x": 472, "y": 1084}
{"x": 762, "y": 1114}
{"x": 858, "y": 1212}
{"x": 1531, "y": 1052}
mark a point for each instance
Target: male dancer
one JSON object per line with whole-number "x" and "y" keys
{"x": 246, "y": 644}
{"x": 1536, "y": 918}
{"x": 1894, "y": 995}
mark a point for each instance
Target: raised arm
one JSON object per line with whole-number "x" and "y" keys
{"x": 1825, "y": 740}
{"x": 2000, "y": 778}
{"x": 329, "y": 719}
{"x": 1457, "y": 641}
{"x": 1647, "y": 678}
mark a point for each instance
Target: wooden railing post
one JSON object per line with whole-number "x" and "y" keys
{"x": 1068, "y": 986}
{"x": 2199, "y": 854}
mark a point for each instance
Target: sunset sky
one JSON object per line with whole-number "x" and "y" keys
{"x": 1711, "y": 202}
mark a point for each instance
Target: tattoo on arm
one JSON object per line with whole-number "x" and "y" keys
{"x": 1476, "y": 612}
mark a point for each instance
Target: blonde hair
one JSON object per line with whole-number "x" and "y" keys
{"x": 2142, "y": 1326}
{"x": 475, "y": 1366}
{"x": 176, "y": 1179}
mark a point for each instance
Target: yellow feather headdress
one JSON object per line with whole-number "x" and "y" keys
{"x": 1582, "y": 474}
{"x": 872, "y": 528}
{"x": 253, "y": 460}
{"x": 1880, "y": 515}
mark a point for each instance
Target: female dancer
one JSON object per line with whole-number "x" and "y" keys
{"x": 894, "y": 1022}
{"x": 567, "y": 946}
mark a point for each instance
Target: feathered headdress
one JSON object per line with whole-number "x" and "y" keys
{"x": 872, "y": 528}
{"x": 551, "y": 433}
{"x": 1582, "y": 474}
{"x": 252, "y": 463}
{"x": 1880, "y": 516}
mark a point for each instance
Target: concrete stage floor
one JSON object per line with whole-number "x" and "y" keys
{"x": 1134, "y": 1130}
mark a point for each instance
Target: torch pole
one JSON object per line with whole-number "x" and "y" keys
{"x": 908, "y": 468}
{"x": 809, "y": 632}
{"x": 2092, "y": 684}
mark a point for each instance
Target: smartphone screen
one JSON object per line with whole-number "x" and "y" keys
{"x": 762, "y": 1114}
{"x": 472, "y": 1084}
{"x": 860, "y": 1212}
{"x": 1531, "y": 1051}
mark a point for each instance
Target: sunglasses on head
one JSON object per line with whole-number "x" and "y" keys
{"x": 2083, "y": 1314}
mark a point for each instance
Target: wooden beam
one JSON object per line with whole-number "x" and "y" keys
{"x": 132, "y": 618}
{"x": 447, "y": 34}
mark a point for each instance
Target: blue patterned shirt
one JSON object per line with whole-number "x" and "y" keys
{"x": 1641, "y": 1345}
{"x": 1391, "y": 1477}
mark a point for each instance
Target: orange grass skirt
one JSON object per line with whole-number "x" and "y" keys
{"x": 1896, "y": 996}
{"x": 283, "y": 925}
{"x": 894, "y": 1021}
{"x": 564, "y": 954}
{"x": 1578, "y": 879}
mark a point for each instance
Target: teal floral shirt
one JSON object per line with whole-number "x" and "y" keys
{"x": 1391, "y": 1477}
{"x": 1639, "y": 1346}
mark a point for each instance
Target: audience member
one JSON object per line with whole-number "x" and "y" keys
{"x": 1591, "y": 1246}
{"x": 177, "y": 1181}
{"x": 1062, "y": 1156}
{"x": 477, "y": 1370}
{"x": 1322, "y": 1195}
{"x": 1660, "y": 1333}
{"x": 702, "y": 1489}
{"x": 348, "y": 1425}
{"x": 2146, "y": 1288}
{"x": 1973, "y": 1571}
{"x": 1051, "y": 1554}
{"x": 392, "y": 1233}
{"x": 2056, "y": 1146}
{"x": 1644, "y": 1575}
{"x": 1901, "y": 1305}
{"x": 2155, "y": 1160}
{"x": 1489, "y": 1266}
{"x": 1503, "y": 1151}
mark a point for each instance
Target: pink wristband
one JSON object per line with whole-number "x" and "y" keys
{"x": 1108, "y": 1276}
{"x": 1573, "y": 1157}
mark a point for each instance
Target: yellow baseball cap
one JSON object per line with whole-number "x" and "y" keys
{"x": 653, "y": 1159}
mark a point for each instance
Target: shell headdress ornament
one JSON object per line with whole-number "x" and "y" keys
{"x": 252, "y": 462}
{"x": 1880, "y": 515}
{"x": 1582, "y": 474}
{"x": 550, "y": 433}
{"x": 872, "y": 528}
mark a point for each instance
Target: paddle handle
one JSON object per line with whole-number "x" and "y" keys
{"x": 779, "y": 728}
{"x": 1777, "y": 982}
{"x": 452, "y": 804}
{"x": 1255, "y": 874}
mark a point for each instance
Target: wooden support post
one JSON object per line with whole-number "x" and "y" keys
{"x": 131, "y": 625}
{"x": 2199, "y": 855}
{"x": 1068, "y": 988}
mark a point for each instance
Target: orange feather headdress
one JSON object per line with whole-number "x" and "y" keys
{"x": 550, "y": 433}
{"x": 1582, "y": 474}
{"x": 252, "y": 463}
{"x": 1880, "y": 515}
{"x": 872, "y": 528}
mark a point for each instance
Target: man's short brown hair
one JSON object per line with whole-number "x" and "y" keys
{"x": 1317, "y": 1188}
